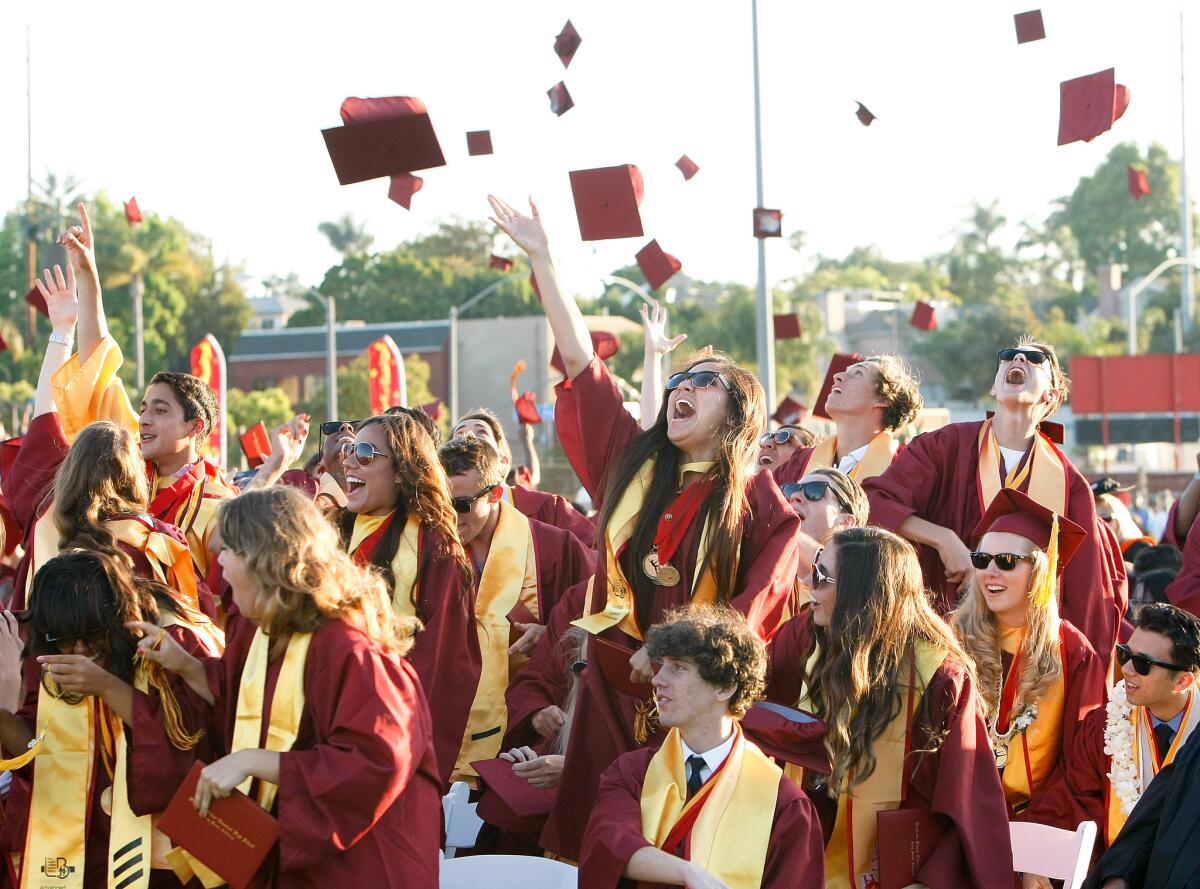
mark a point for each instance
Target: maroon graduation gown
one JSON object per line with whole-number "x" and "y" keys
{"x": 359, "y": 800}
{"x": 563, "y": 561}
{"x": 1184, "y": 591}
{"x": 556, "y": 510}
{"x": 794, "y": 468}
{"x": 795, "y": 857}
{"x": 935, "y": 478}
{"x": 598, "y": 432}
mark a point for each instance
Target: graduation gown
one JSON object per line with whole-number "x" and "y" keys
{"x": 1184, "y": 590}
{"x": 553, "y": 509}
{"x": 359, "y": 801}
{"x": 936, "y": 478}
{"x": 795, "y": 858}
{"x": 596, "y": 434}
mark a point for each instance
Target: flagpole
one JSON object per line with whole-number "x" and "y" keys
{"x": 765, "y": 333}
{"x": 31, "y": 244}
{"x": 1185, "y": 221}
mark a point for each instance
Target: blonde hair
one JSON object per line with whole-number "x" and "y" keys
{"x": 979, "y": 630}
{"x": 1127, "y": 528}
{"x": 302, "y": 576}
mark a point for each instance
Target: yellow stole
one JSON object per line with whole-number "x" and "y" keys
{"x": 1044, "y": 469}
{"x": 851, "y": 855}
{"x": 509, "y": 577}
{"x": 87, "y": 391}
{"x": 880, "y": 452}
{"x": 732, "y": 832}
{"x": 404, "y": 565}
{"x": 1144, "y": 759}
{"x": 619, "y": 608}
{"x": 1033, "y": 754}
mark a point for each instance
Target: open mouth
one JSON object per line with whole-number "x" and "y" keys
{"x": 147, "y": 436}
{"x": 766, "y": 460}
{"x": 683, "y": 409}
{"x": 994, "y": 589}
{"x": 836, "y": 390}
{"x": 354, "y": 483}
{"x": 1016, "y": 376}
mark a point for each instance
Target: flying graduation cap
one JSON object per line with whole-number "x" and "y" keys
{"x": 607, "y": 201}
{"x": 1029, "y": 26}
{"x": 566, "y": 44}
{"x": 560, "y": 100}
{"x": 402, "y": 188}
{"x": 657, "y": 265}
{"x": 864, "y": 115}
{"x": 687, "y": 167}
{"x": 381, "y": 137}
{"x": 133, "y": 214}
{"x": 924, "y": 317}
{"x": 1089, "y": 106}
{"x": 479, "y": 142}
{"x": 525, "y": 403}
{"x": 503, "y": 263}
{"x": 787, "y": 327}
{"x": 1139, "y": 182}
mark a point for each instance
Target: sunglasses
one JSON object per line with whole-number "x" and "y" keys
{"x": 819, "y": 577}
{"x": 782, "y": 437}
{"x": 700, "y": 379}
{"x": 1004, "y": 561}
{"x": 1142, "y": 663}
{"x": 362, "y": 451}
{"x": 92, "y": 638}
{"x": 329, "y": 427}
{"x": 1107, "y": 517}
{"x": 813, "y": 492}
{"x": 462, "y": 505}
{"x": 1033, "y": 356}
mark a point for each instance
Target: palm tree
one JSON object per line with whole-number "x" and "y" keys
{"x": 347, "y": 236}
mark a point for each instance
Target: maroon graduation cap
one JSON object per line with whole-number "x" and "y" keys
{"x": 787, "y": 327}
{"x": 1139, "y": 182}
{"x": 768, "y": 223}
{"x": 525, "y": 403}
{"x": 864, "y": 115}
{"x": 503, "y": 263}
{"x": 790, "y": 411}
{"x": 657, "y": 265}
{"x": 133, "y": 215}
{"x": 1029, "y": 26}
{"x": 604, "y": 344}
{"x": 479, "y": 142}
{"x": 838, "y": 363}
{"x": 34, "y": 298}
{"x": 607, "y": 201}
{"x": 687, "y": 167}
{"x": 382, "y": 137}
{"x": 924, "y": 317}
{"x": 403, "y": 187}
{"x": 1089, "y": 106}
{"x": 434, "y": 410}
{"x": 566, "y": 44}
{"x": 560, "y": 100}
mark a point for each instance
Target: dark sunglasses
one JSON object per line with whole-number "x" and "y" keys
{"x": 782, "y": 437}
{"x": 813, "y": 491}
{"x": 329, "y": 427}
{"x": 1141, "y": 663}
{"x": 92, "y": 638}
{"x": 701, "y": 379}
{"x": 463, "y": 504}
{"x": 1004, "y": 561}
{"x": 1034, "y": 356}
{"x": 363, "y": 451}
{"x": 819, "y": 577}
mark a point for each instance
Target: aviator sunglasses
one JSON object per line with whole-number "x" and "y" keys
{"x": 782, "y": 437}
{"x": 1004, "y": 561}
{"x": 1033, "y": 356}
{"x": 1141, "y": 663}
{"x": 701, "y": 379}
{"x": 362, "y": 451}
{"x": 819, "y": 577}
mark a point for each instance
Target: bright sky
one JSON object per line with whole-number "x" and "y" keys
{"x": 212, "y": 113}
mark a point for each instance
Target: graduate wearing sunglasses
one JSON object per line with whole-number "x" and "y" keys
{"x": 943, "y": 482}
{"x": 776, "y": 448}
{"x": 682, "y": 519}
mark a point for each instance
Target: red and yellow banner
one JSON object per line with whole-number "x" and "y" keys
{"x": 208, "y": 363}
{"x": 386, "y": 379}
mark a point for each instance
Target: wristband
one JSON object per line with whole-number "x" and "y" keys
{"x": 63, "y": 339}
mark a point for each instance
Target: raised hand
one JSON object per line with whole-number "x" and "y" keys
{"x": 77, "y": 240}
{"x": 526, "y": 231}
{"x": 62, "y": 303}
{"x": 287, "y": 441}
{"x": 11, "y": 659}
{"x": 654, "y": 321}
{"x": 158, "y": 646}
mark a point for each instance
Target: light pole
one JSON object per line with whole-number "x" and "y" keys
{"x": 1135, "y": 291}
{"x": 331, "y": 394}
{"x": 765, "y": 332}
{"x": 631, "y": 286}
{"x": 1185, "y": 210}
{"x": 455, "y": 311}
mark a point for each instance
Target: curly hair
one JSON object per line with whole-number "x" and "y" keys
{"x": 1181, "y": 627}
{"x": 466, "y": 452}
{"x": 302, "y": 576}
{"x": 195, "y": 396}
{"x": 897, "y": 383}
{"x": 722, "y": 646}
{"x": 1058, "y": 378}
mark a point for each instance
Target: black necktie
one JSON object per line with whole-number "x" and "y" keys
{"x": 694, "y": 764}
{"x": 1163, "y": 736}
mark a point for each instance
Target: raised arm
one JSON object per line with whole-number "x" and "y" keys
{"x": 63, "y": 308}
{"x": 658, "y": 344}
{"x": 1188, "y": 506}
{"x": 531, "y": 455}
{"x": 566, "y": 321}
{"x": 80, "y": 247}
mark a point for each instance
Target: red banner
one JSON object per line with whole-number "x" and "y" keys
{"x": 387, "y": 381}
{"x": 208, "y": 363}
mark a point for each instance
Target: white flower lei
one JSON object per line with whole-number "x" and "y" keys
{"x": 1118, "y": 744}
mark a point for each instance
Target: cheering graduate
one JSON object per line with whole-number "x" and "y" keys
{"x": 101, "y": 738}
{"x": 95, "y": 494}
{"x": 682, "y": 519}
{"x": 1038, "y": 676}
{"x": 177, "y": 413}
{"x": 776, "y": 448}
{"x": 697, "y": 811}
{"x": 522, "y": 568}
{"x": 869, "y": 401}
{"x": 826, "y": 500}
{"x": 944, "y": 481}
{"x": 905, "y": 726}
{"x": 552, "y": 509}
{"x": 399, "y": 518}
{"x": 323, "y": 721}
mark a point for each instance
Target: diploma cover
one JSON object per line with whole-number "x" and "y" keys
{"x": 907, "y": 838}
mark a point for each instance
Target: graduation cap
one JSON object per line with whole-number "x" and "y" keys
{"x": 604, "y": 344}
{"x": 518, "y": 797}
{"x": 606, "y": 202}
{"x": 256, "y": 445}
{"x": 768, "y": 223}
{"x": 403, "y": 187}
{"x": 864, "y": 115}
{"x": 838, "y": 363}
{"x": 613, "y": 661}
{"x": 133, "y": 215}
{"x": 434, "y": 410}
{"x": 1089, "y": 106}
{"x": 560, "y": 100}
{"x": 1108, "y": 485}
{"x": 34, "y": 298}
{"x": 503, "y": 263}
{"x": 657, "y": 265}
{"x": 525, "y": 403}
{"x": 479, "y": 142}
{"x": 790, "y": 411}
{"x": 924, "y": 317}
{"x": 1029, "y": 26}
{"x": 787, "y": 734}
{"x": 382, "y": 137}
{"x": 567, "y": 43}
{"x": 787, "y": 327}
{"x": 1139, "y": 182}
{"x": 687, "y": 167}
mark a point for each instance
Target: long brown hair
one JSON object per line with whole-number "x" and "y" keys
{"x": 103, "y": 477}
{"x": 302, "y": 575}
{"x": 424, "y": 492}
{"x": 725, "y": 507}
{"x": 880, "y": 612}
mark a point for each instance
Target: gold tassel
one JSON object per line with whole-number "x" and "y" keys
{"x": 645, "y": 720}
{"x": 177, "y": 733}
{"x": 1044, "y": 594}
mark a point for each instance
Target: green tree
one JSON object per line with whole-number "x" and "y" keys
{"x": 271, "y": 406}
{"x": 347, "y": 235}
{"x": 977, "y": 266}
{"x": 960, "y": 352}
{"x": 354, "y": 394}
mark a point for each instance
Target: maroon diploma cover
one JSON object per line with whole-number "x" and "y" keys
{"x": 234, "y": 839}
{"x": 906, "y": 840}
{"x": 613, "y": 661}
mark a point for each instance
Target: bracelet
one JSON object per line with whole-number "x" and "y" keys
{"x": 63, "y": 339}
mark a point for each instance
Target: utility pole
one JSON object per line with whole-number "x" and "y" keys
{"x": 1185, "y": 209}
{"x": 31, "y": 242}
{"x": 765, "y": 338}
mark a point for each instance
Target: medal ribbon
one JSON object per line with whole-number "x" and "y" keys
{"x": 1009, "y": 693}
{"x": 674, "y": 523}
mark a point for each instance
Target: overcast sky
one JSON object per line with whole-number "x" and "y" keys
{"x": 211, "y": 112}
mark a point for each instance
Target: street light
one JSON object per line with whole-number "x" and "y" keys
{"x": 455, "y": 311}
{"x": 331, "y": 405}
{"x": 1136, "y": 290}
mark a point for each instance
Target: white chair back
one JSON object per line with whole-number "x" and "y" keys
{"x": 507, "y": 872}
{"x": 1053, "y": 852}
{"x": 462, "y": 824}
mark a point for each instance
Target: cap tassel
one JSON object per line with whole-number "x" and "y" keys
{"x": 1044, "y": 594}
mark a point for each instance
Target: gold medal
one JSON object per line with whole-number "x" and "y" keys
{"x": 663, "y": 574}
{"x": 106, "y": 801}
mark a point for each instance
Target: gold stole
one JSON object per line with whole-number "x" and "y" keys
{"x": 404, "y": 565}
{"x": 619, "y": 608}
{"x": 880, "y": 451}
{"x": 732, "y": 832}
{"x": 87, "y": 391}
{"x": 1044, "y": 468}
{"x": 1033, "y": 753}
{"x": 509, "y": 577}
{"x": 1145, "y": 760}
{"x": 851, "y": 853}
